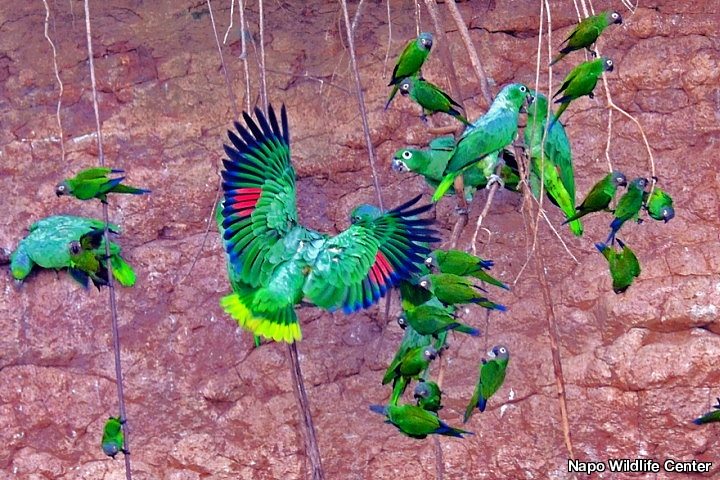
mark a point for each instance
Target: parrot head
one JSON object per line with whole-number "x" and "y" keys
{"x": 430, "y": 353}
{"x": 425, "y": 283}
{"x": 619, "y": 178}
{"x": 425, "y": 40}
{"x": 668, "y": 213}
{"x": 406, "y": 86}
{"x": 614, "y": 17}
{"x": 608, "y": 65}
{"x": 517, "y": 95}
{"x": 364, "y": 213}
{"x": 399, "y": 159}
{"x": 74, "y": 247}
{"x": 62, "y": 188}
{"x": 640, "y": 183}
{"x": 431, "y": 261}
{"x": 538, "y": 106}
{"x": 499, "y": 352}
{"x": 421, "y": 390}
{"x": 110, "y": 449}
{"x": 402, "y": 321}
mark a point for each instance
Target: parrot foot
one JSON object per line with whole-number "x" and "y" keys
{"x": 591, "y": 95}
{"x": 461, "y": 211}
{"x": 639, "y": 221}
{"x": 423, "y": 117}
{"x": 655, "y": 178}
{"x": 493, "y": 179}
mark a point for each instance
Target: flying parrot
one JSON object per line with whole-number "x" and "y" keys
{"x": 416, "y": 422}
{"x": 410, "y": 61}
{"x": 659, "y": 205}
{"x": 628, "y": 206}
{"x": 624, "y": 265}
{"x": 113, "y": 440}
{"x": 552, "y": 160}
{"x": 410, "y": 366}
{"x": 579, "y": 82}
{"x": 432, "y": 320}
{"x": 47, "y": 245}
{"x": 713, "y": 416}
{"x": 463, "y": 264}
{"x": 453, "y": 289}
{"x": 279, "y": 262}
{"x": 487, "y": 137}
{"x": 587, "y": 32}
{"x": 430, "y": 97}
{"x": 428, "y": 396}
{"x": 86, "y": 261}
{"x": 600, "y": 195}
{"x": 95, "y": 183}
{"x": 491, "y": 378}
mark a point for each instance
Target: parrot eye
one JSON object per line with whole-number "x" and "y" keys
{"x": 424, "y": 283}
{"x": 407, "y": 155}
{"x": 610, "y": 62}
{"x": 615, "y": 15}
{"x": 74, "y": 248}
{"x": 402, "y": 322}
{"x": 405, "y": 87}
{"x": 523, "y": 89}
{"x": 428, "y": 261}
{"x": 503, "y": 350}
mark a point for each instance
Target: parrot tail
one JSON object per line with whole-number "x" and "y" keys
{"x": 559, "y": 57}
{"x": 468, "y": 412}
{"x": 485, "y": 303}
{"x": 445, "y": 429}
{"x": 482, "y": 403}
{"x": 444, "y": 186}
{"x": 576, "y": 228}
{"x": 392, "y": 95}
{"x": 122, "y": 271}
{"x": 129, "y": 190}
{"x": 459, "y": 116}
{"x": 280, "y": 325}
{"x": 460, "y": 327}
{"x": 381, "y": 409}
{"x": 563, "y": 106}
{"x": 398, "y": 389}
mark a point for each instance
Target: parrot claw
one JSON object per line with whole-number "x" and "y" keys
{"x": 655, "y": 178}
{"x": 423, "y": 117}
{"x": 492, "y": 179}
{"x": 461, "y": 211}
{"x": 591, "y": 95}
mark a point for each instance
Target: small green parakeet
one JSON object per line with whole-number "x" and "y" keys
{"x": 113, "y": 440}
{"x": 600, "y": 195}
{"x": 410, "y": 61}
{"x": 432, "y": 320}
{"x": 486, "y": 138}
{"x": 416, "y": 422}
{"x": 659, "y": 205}
{"x": 96, "y": 183}
{"x": 624, "y": 265}
{"x": 453, "y": 289}
{"x": 430, "y": 97}
{"x": 628, "y": 207}
{"x": 552, "y": 160}
{"x": 463, "y": 264}
{"x": 491, "y": 378}
{"x": 86, "y": 262}
{"x": 587, "y": 32}
{"x": 713, "y": 416}
{"x": 278, "y": 262}
{"x": 412, "y": 364}
{"x": 579, "y": 82}
{"x": 428, "y": 396}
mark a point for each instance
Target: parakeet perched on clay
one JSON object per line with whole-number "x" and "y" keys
{"x": 410, "y": 61}
{"x": 96, "y": 183}
{"x": 587, "y": 32}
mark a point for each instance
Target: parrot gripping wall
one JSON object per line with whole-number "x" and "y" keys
{"x": 329, "y": 279}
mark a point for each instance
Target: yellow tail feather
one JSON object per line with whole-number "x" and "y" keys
{"x": 260, "y": 324}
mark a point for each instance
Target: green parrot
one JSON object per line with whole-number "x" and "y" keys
{"x": 463, "y": 264}
{"x": 416, "y": 422}
{"x": 579, "y": 82}
{"x": 410, "y": 61}
{"x": 628, "y": 206}
{"x": 278, "y": 262}
{"x": 113, "y": 440}
{"x": 432, "y": 320}
{"x": 600, "y": 195}
{"x": 487, "y": 137}
{"x": 553, "y": 159}
{"x": 95, "y": 183}
{"x": 624, "y": 265}
{"x": 86, "y": 262}
{"x": 46, "y": 245}
{"x": 430, "y": 97}
{"x": 428, "y": 396}
{"x": 587, "y": 32}
{"x": 491, "y": 378}
{"x": 709, "y": 417}
{"x": 659, "y": 205}
{"x": 410, "y": 366}
{"x": 453, "y": 289}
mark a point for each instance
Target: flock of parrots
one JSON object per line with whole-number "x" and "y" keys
{"x": 274, "y": 262}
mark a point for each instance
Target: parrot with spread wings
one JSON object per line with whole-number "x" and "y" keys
{"x": 277, "y": 262}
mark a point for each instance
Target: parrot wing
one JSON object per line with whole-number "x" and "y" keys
{"x": 95, "y": 173}
{"x": 354, "y": 269}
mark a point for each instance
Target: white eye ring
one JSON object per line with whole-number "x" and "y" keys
{"x": 407, "y": 155}
{"x": 503, "y": 350}
{"x": 609, "y": 62}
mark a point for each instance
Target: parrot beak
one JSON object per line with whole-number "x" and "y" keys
{"x": 669, "y": 214}
{"x": 399, "y": 166}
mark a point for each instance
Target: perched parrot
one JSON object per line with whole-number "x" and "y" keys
{"x": 86, "y": 262}
{"x": 113, "y": 440}
{"x": 463, "y": 264}
{"x": 416, "y": 422}
{"x": 487, "y": 137}
{"x": 659, "y": 205}
{"x": 587, "y": 32}
{"x": 624, "y": 265}
{"x": 410, "y": 61}
{"x": 709, "y": 417}
{"x": 453, "y": 289}
{"x": 47, "y": 245}
{"x": 491, "y": 378}
{"x": 410, "y": 366}
{"x": 431, "y": 320}
{"x": 279, "y": 262}
{"x": 95, "y": 183}
{"x": 428, "y": 396}
{"x": 628, "y": 206}
{"x": 553, "y": 159}
{"x": 600, "y": 195}
{"x": 430, "y": 98}
{"x": 579, "y": 82}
